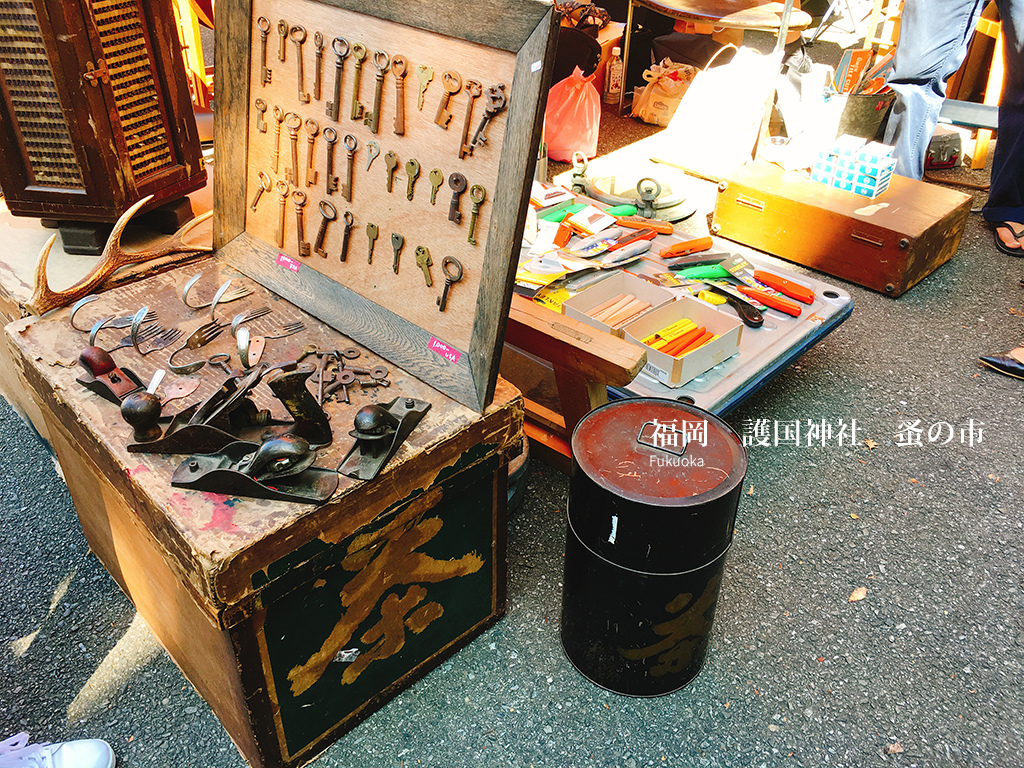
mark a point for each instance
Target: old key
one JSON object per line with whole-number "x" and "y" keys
{"x": 261, "y": 110}
{"x": 477, "y": 194}
{"x": 397, "y": 244}
{"x": 399, "y": 68}
{"x": 318, "y": 67}
{"x": 372, "y": 150}
{"x": 436, "y": 180}
{"x": 350, "y": 145}
{"x": 452, "y": 83}
{"x": 279, "y": 116}
{"x": 424, "y": 74}
{"x": 359, "y": 54}
{"x": 265, "y": 186}
{"x": 299, "y": 198}
{"x": 452, "y": 269}
{"x": 312, "y": 131}
{"x": 265, "y": 72}
{"x": 391, "y": 161}
{"x": 496, "y": 101}
{"x": 282, "y": 191}
{"x": 458, "y": 184}
{"x": 423, "y": 262}
{"x": 293, "y": 122}
{"x": 298, "y": 36}
{"x": 330, "y": 180}
{"x": 282, "y": 32}
{"x": 382, "y": 62}
{"x": 473, "y": 88}
{"x": 371, "y": 235}
{"x": 329, "y": 214}
{"x": 412, "y": 170}
{"x": 341, "y": 50}
{"x": 346, "y": 235}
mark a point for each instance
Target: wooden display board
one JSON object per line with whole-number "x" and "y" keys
{"x": 394, "y": 313}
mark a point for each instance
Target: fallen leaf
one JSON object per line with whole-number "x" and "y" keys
{"x": 750, "y": 491}
{"x": 862, "y": 461}
{"x": 855, "y": 516}
{"x": 914, "y": 480}
{"x": 893, "y": 749}
{"x": 821, "y": 658}
{"x": 727, "y": 704}
{"x": 871, "y": 444}
{"x": 858, "y": 594}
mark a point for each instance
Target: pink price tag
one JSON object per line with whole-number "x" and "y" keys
{"x": 451, "y": 354}
{"x": 287, "y": 262}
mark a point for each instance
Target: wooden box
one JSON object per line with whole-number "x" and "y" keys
{"x": 383, "y": 300}
{"x": 888, "y": 244}
{"x": 292, "y": 621}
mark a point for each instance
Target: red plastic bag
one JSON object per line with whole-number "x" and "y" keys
{"x": 573, "y": 117}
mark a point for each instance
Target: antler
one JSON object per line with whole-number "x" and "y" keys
{"x": 113, "y": 258}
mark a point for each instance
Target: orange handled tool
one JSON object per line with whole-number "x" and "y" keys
{"x": 639, "y": 222}
{"x": 788, "y": 287}
{"x": 685, "y": 247}
{"x": 771, "y": 300}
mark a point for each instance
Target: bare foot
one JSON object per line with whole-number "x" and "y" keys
{"x": 1005, "y": 233}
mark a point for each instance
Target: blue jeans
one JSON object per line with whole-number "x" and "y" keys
{"x": 933, "y": 42}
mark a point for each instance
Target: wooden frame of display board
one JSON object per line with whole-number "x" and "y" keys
{"x": 397, "y": 315}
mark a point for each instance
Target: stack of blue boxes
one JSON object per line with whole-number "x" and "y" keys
{"x": 855, "y": 166}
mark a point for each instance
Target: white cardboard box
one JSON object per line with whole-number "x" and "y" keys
{"x": 578, "y": 306}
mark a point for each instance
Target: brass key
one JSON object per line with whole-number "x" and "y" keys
{"x": 399, "y": 68}
{"x": 496, "y": 102}
{"x": 279, "y": 116}
{"x": 282, "y": 32}
{"x": 313, "y": 130}
{"x": 350, "y": 145}
{"x": 371, "y": 235}
{"x": 436, "y": 180}
{"x": 330, "y": 180}
{"x": 282, "y": 190}
{"x": 359, "y": 54}
{"x": 412, "y": 170}
{"x": 372, "y": 150}
{"x": 299, "y": 198}
{"x": 265, "y": 186}
{"x": 382, "y": 62}
{"x": 397, "y": 244}
{"x": 452, "y": 83}
{"x": 318, "y": 67}
{"x": 452, "y": 269}
{"x": 329, "y": 214}
{"x": 477, "y": 194}
{"x": 391, "y": 160}
{"x": 424, "y": 263}
{"x": 424, "y": 74}
{"x": 341, "y": 50}
{"x": 298, "y": 35}
{"x": 261, "y": 110}
{"x": 293, "y": 122}
{"x": 264, "y": 26}
{"x": 473, "y": 88}
{"x": 346, "y": 235}
{"x": 458, "y": 184}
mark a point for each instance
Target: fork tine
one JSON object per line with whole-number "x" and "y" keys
{"x": 171, "y": 334}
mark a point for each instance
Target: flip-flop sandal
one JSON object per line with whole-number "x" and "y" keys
{"x": 1000, "y": 245}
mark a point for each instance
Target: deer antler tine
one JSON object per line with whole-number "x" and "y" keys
{"x": 42, "y": 296}
{"x": 113, "y": 250}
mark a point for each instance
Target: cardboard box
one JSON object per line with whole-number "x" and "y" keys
{"x": 673, "y": 371}
{"x": 578, "y": 306}
{"x": 609, "y": 37}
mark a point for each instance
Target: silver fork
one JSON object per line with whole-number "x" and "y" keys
{"x": 232, "y": 295}
{"x": 288, "y": 329}
{"x": 164, "y": 339}
{"x": 245, "y": 317}
{"x": 200, "y": 337}
{"x": 144, "y": 335}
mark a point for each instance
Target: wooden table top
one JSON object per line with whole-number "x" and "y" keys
{"x": 733, "y": 14}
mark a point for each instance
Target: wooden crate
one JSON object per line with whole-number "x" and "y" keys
{"x": 888, "y": 244}
{"x": 492, "y": 41}
{"x": 255, "y": 599}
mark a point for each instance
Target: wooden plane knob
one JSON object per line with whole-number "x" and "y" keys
{"x": 96, "y": 361}
{"x": 142, "y": 412}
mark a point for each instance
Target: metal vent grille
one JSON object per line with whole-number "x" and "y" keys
{"x": 130, "y": 67}
{"x": 34, "y": 100}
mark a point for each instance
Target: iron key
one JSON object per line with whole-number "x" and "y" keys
{"x": 282, "y": 190}
{"x": 371, "y": 235}
{"x": 382, "y": 62}
{"x": 452, "y": 269}
{"x": 436, "y": 180}
{"x": 391, "y": 160}
{"x": 298, "y": 36}
{"x": 350, "y": 145}
{"x": 477, "y": 194}
{"x": 424, "y": 74}
{"x": 318, "y": 68}
{"x": 329, "y": 214}
{"x": 412, "y": 170}
{"x": 359, "y": 54}
{"x": 496, "y": 101}
{"x": 282, "y": 32}
{"x": 457, "y": 182}
{"x": 473, "y": 88}
{"x": 399, "y": 68}
{"x": 423, "y": 262}
{"x": 452, "y": 84}
{"x": 279, "y": 116}
{"x": 330, "y": 180}
{"x": 293, "y": 122}
{"x": 397, "y": 244}
{"x": 299, "y": 198}
{"x": 313, "y": 130}
{"x": 261, "y": 110}
{"x": 265, "y": 72}
{"x": 346, "y": 235}
{"x": 265, "y": 186}
{"x": 341, "y": 50}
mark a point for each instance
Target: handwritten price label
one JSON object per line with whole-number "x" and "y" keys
{"x": 451, "y": 354}
{"x": 287, "y": 262}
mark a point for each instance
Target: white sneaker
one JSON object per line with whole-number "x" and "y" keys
{"x": 16, "y": 752}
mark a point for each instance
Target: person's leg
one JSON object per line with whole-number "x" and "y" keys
{"x": 932, "y": 45}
